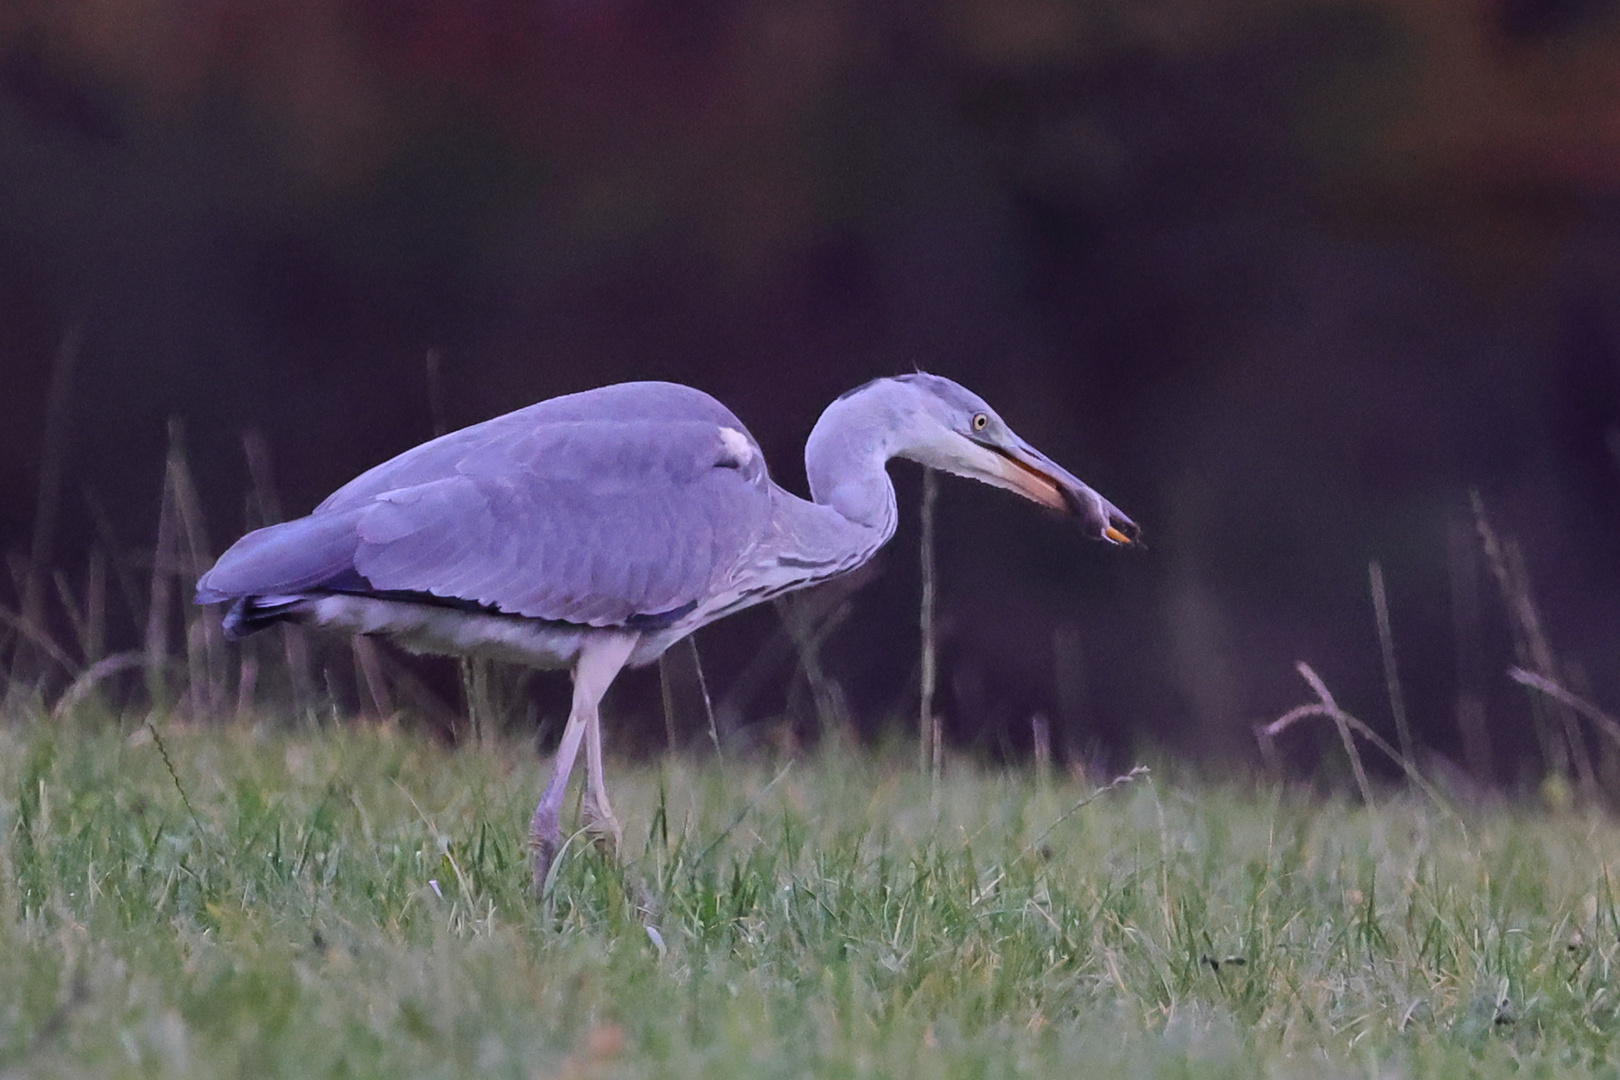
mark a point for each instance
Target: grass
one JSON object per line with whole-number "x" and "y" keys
{"x": 353, "y": 902}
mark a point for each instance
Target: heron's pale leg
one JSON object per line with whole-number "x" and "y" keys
{"x": 596, "y": 810}
{"x": 545, "y": 831}
{"x": 600, "y": 659}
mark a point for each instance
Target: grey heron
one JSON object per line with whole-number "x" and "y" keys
{"x": 592, "y": 531}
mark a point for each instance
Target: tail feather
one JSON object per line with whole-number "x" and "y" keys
{"x": 276, "y": 562}
{"x": 250, "y": 614}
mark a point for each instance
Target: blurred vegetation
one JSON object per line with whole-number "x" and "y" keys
{"x": 1287, "y": 281}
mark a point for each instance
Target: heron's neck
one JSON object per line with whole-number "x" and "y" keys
{"x": 846, "y": 455}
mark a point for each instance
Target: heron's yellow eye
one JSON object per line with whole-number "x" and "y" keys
{"x": 979, "y": 421}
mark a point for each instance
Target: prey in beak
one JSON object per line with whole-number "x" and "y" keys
{"x": 1011, "y": 463}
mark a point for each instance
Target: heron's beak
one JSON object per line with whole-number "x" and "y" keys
{"x": 1019, "y": 467}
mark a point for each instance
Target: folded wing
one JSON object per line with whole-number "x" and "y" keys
{"x": 601, "y": 522}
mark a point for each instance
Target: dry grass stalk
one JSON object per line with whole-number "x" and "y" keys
{"x": 247, "y": 683}
{"x": 1463, "y": 556}
{"x": 1386, "y": 646}
{"x": 11, "y": 645}
{"x": 492, "y": 694}
{"x": 1040, "y": 737}
{"x": 53, "y": 460}
{"x": 414, "y": 694}
{"x": 1341, "y": 723}
{"x": 679, "y": 665}
{"x": 95, "y": 606}
{"x": 160, "y": 598}
{"x": 435, "y": 392}
{"x": 476, "y": 695}
{"x": 77, "y": 619}
{"x": 300, "y": 670}
{"x": 205, "y": 640}
{"x": 1329, "y": 709}
{"x": 93, "y": 676}
{"x": 1608, "y": 725}
{"x": 930, "y": 735}
{"x": 264, "y": 508}
{"x": 27, "y": 631}
{"x": 368, "y": 668}
{"x": 810, "y": 617}
{"x": 17, "y": 567}
{"x": 122, "y": 571}
{"x": 690, "y": 646}
{"x": 667, "y": 693}
{"x": 732, "y": 708}
{"x": 1564, "y": 744}
{"x": 795, "y": 612}
{"x": 1137, "y": 772}
{"x": 1068, "y": 671}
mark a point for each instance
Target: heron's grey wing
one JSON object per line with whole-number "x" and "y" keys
{"x": 590, "y": 522}
{"x": 595, "y": 522}
{"x": 626, "y": 403}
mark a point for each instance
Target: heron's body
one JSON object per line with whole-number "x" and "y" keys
{"x": 592, "y": 531}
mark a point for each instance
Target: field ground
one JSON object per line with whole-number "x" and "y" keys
{"x": 355, "y": 903}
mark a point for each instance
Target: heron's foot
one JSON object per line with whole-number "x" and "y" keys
{"x": 608, "y": 835}
{"x": 604, "y": 829}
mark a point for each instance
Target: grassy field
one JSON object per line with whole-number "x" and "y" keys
{"x": 355, "y": 903}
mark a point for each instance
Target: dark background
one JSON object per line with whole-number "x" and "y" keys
{"x": 1284, "y": 280}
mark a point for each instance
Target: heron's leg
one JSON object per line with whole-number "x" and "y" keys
{"x": 545, "y": 831}
{"x": 596, "y": 809}
{"x": 600, "y": 659}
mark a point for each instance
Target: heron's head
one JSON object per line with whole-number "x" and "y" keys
{"x": 949, "y": 427}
